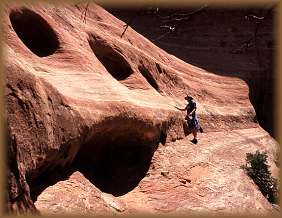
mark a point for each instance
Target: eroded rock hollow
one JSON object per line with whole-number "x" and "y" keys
{"x": 34, "y": 32}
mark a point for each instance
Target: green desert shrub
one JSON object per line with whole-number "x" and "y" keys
{"x": 257, "y": 169}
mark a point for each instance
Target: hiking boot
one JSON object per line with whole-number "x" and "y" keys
{"x": 194, "y": 141}
{"x": 201, "y": 130}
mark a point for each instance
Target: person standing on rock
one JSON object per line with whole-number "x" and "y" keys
{"x": 191, "y": 117}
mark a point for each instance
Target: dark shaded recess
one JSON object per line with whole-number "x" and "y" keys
{"x": 263, "y": 99}
{"x": 149, "y": 77}
{"x": 50, "y": 171}
{"x": 207, "y": 40}
{"x": 116, "y": 161}
{"x": 163, "y": 137}
{"x": 159, "y": 68}
{"x": 46, "y": 179}
{"x": 112, "y": 60}
{"x": 34, "y": 32}
{"x": 186, "y": 129}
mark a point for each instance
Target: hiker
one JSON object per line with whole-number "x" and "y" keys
{"x": 192, "y": 121}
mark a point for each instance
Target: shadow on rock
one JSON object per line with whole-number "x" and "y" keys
{"x": 117, "y": 168}
{"x": 47, "y": 179}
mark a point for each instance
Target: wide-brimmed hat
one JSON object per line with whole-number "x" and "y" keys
{"x": 188, "y": 97}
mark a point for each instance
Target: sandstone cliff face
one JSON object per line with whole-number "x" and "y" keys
{"x": 93, "y": 128}
{"x": 231, "y": 42}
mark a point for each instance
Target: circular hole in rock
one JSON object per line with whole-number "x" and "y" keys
{"x": 112, "y": 60}
{"x": 34, "y": 32}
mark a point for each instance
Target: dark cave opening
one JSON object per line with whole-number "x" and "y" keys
{"x": 34, "y": 32}
{"x": 262, "y": 97}
{"x": 46, "y": 179}
{"x": 114, "y": 159}
{"x": 115, "y": 67}
{"x": 112, "y": 60}
{"x": 118, "y": 162}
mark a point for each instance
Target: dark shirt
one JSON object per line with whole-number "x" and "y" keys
{"x": 191, "y": 106}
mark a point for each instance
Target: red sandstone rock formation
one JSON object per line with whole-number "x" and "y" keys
{"x": 237, "y": 42}
{"x": 92, "y": 125}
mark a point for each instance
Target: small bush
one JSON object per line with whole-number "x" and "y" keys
{"x": 257, "y": 169}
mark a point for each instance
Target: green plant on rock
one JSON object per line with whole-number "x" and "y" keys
{"x": 257, "y": 169}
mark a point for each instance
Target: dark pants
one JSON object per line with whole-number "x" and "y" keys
{"x": 193, "y": 123}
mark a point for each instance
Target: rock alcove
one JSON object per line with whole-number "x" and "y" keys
{"x": 116, "y": 161}
{"x": 34, "y": 32}
{"x": 148, "y": 76}
{"x": 115, "y": 158}
{"x": 112, "y": 60}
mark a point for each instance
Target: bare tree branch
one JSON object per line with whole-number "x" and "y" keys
{"x": 253, "y": 40}
{"x": 130, "y": 22}
{"x": 181, "y": 16}
{"x": 177, "y": 19}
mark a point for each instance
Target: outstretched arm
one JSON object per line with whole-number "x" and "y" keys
{"x": 181, "y": 109}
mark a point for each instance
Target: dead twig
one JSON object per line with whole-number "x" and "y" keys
{"x": 129, "y": 23}
{"x": 126, "y": 26}
{"x": 177, "y": 19}
{"x": 253, "y": 40}
{"x": 180, "y": 16}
